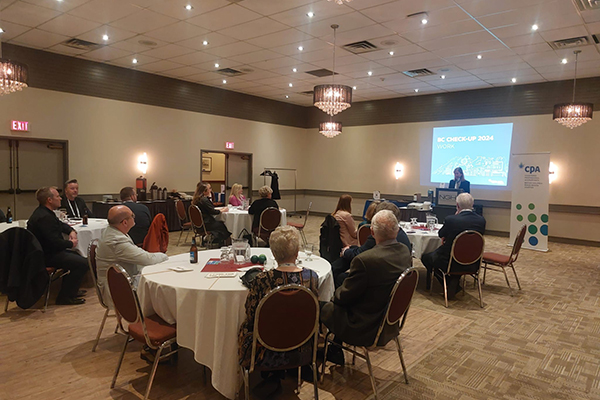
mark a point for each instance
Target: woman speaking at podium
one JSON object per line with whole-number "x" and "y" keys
{"x": 459, "y": 181}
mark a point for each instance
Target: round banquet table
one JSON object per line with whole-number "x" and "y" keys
{"x": 85, "y": 234}
{"x": 210, "y": 311}
{"x": 237, "y": 220}
{"x": 423, "y": 240}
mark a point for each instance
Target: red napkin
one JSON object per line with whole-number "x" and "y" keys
{"x": 216, "y": 265}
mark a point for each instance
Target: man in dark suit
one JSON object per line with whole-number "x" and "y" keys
{"x": 464, "y": 219}
{"x": 49, "y": 230}
{"x": 74, "y": 205}
{"x": 260, "y": 205}
{"x": 143, "y": 219}
{"x": 359, "y": 305}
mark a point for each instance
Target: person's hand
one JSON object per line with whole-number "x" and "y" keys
{"x": 73, "y": 236}
{"x": 224, "y": 209}
{"x": 344, "y": 250}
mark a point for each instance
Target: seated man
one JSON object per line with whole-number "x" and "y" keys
{"x": 360, "y": 303}
{"x": 260, "y": 205}
{"x": 74, "y": 204}
{"x": 340, "y": 266}
{"x": 143, "y": 219}
{"x": 116, "y": 247}
{"x": 49, "y": 230}
{"x": 464, "y": 219}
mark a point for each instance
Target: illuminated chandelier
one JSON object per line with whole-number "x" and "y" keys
{"x": 573, "y": 114}
{"x": 13, "y": 75}
{"x": 341, "y": 1}
{"x": 332, "y": 99}
{"x": 330, "y": 129}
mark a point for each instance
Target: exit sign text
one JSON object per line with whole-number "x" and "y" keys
{"x": 229, "y": 145}
{"x": 19, "y": 126}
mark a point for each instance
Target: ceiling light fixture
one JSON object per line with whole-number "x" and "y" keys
{"x": 564, "y": 61}
{"x": 534, "y": 27}
{"x": 353, "y": 87}
{"x": 443, "y": 76}
{"x": 216, "y": 65}
{"x": 391, "y": 53}
{"x": 205, "y": 42}
{"x": 340, "y": 2}
{"x": 134, "y": 61}
{"x": 300, "y": 48}
{"x": 1, "y": 30}
{"x": 416, "y": 90}
{"x": 224, "y": 81}
{"x": 479, "y": 56}
{"x": 514, "y": 80}
{"x": 105, "y": 37}
{"x": 332, "y": 99}
{"x": 13, "y": 75}
{"x": 424, "y": 21}
{"x": 287, "y": 97}
{"x": 188, "y": 7}
{"x": 310, "y": 14}
{"x": 290, "y": 85}
{"x": 573, "y": 114}
{"x": 370, "y": 73}
{"x": 294, "y": 69}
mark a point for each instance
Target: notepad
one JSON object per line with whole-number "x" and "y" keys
{"x": 213, "y": 275}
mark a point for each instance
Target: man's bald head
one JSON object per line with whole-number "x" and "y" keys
{"x": 121, "y": 217}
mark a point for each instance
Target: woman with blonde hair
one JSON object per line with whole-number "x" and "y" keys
{"x": 343, "y": 215}
{"x": 236, "y": 197}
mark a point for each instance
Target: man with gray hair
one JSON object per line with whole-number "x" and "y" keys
{"x": 360, "y": 303}
{"x": 464, "y": 219}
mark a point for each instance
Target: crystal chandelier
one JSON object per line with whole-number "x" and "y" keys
{"x": 573, "y": 114}
{"x": 13, "y": 76}
{"x": 341, "y": 1}
{"x": 330, "y": 129}
{"x": 332, "y": 99}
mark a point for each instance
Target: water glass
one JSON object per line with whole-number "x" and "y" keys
{"x": 308, "y": 250}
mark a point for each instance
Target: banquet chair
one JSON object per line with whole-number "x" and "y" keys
{"x": 363, "y": 233}
{"x": 465, "y": 259}
{"x": 395, "y": 313}
{"x": 279, "y": 330}
{"x": 301, "y": 226}
{"x": 91, "y": 256}
{"x": 270, "y": 219}
{"x": 152, "y": 331}
{"x": 492, "y": 260}
{"x": 183, "y": 225}
{"x": 198, "y": 225}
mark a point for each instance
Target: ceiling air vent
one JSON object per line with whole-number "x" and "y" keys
{"x": 569, "y": 43}
{"x": 229, "y": 72}
{"x": 307, "y": 93}
{"x": 364, "y": 46}
{"x": 418, "y": 72}
{"x": 585, "y": 5}
{"x": 320, "y": 72}
{"x": 596, "y": 38}
{"x": 81, "y": 44}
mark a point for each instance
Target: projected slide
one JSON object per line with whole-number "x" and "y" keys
{"x": 483, "y": 152}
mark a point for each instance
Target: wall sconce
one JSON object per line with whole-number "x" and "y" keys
{"x": 398, "y": 170}
{"x": 553, "y": 172}
{"x": 143, "y": 163}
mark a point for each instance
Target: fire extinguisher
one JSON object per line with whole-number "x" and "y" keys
{"x": 140, "y": 186}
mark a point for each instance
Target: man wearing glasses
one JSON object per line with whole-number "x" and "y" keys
{"x": 116, "y": 247}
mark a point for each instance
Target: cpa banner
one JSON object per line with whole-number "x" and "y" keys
{"x": 530, "y": 196}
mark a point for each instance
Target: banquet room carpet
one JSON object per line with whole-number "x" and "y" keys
{"x": 541, "y": 343}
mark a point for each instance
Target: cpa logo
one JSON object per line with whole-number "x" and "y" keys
{"x": 532, "y": 169}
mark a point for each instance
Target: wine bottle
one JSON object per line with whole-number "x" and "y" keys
{"x": 9, "y": 216}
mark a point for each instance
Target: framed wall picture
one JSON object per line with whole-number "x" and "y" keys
{"x": 206, "y": 164}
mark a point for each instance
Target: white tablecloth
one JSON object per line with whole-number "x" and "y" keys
{"x": 236, "y": 220}
{"x": 423, "y": 241}
{"x": 18, "y": 224}
{"x": 209, "y": 312}
{"x": 85, "y": 234}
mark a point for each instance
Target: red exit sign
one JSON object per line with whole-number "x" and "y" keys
{"x": 229, "y": 145}
{"x": 22, "y": 126}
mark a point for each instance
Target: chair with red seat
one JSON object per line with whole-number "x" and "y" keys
{"x": 198, "y": 225}
{"x": 184, "y": 224}
{"x": 465, "y": 259}
{"x": 270, "y": 219}
{"x": 363, "y": 233}
{"x": 301, "y": 226}
{"x": 286, "y": 318}
{"x": 396, "y": 311}
{"x": 152, "y": 331}
{"x": 491, "y": 260}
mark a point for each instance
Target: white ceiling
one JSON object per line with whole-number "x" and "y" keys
{"x": 264, "y": 35}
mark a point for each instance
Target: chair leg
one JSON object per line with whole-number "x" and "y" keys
{"x": 315, "y": 386}
{"x": 180, "y": 233}
{"x": 100, "y": 330}
{"x": 373, "y": 383}
{"x": 6, "y": 305}
{"x": 516, "y": 278}
{"x": 299, "y": 381}
{"x": 325, "y": 356}
{"x": 303, "y": 236}
{"x": 354, "y": 356}
{"x": 112, "y": 385}
{"x": 50, "y": 277}
{"x": 186, "y": 235}
{"x": 445, "y": 290}
{"x": 401, "y": 358}
{"x": 484, "y": 271}
{"x": 246, "y": 383}
{"x": 153, "y": 372}
{"x": 479, "y": 286}
{"x": 507, "y": 281}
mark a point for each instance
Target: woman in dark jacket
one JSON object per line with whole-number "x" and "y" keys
{"x": 203, "y": 200}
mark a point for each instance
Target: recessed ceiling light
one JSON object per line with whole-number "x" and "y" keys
{"x": 188, "y": 7}
{"x": 424, "y": 21}
{"x": 224, "y": 81}
{"x": 216, "y": 65}
{"x": 416, "y": 90}
{"x": 134, "y": 61}
{"x": 514, "y": 80}
{"x": 105, "y": 37}
{"x": 370, "y": 73}
{"x": 205, "y": 42}
{"x": 443, "y": 76}
{"x": 310, "y": 14}
{"x": 290, "y": 85}
{"x": 479, "y": 56}
{"x": 294, "y": 69}
{"x": 1, "y": 30}
{"x": 354, "y": 87}
{"x": 534, "y": 27}
{"x": 300, "y": 48}
{"x": 287, "y": 97}
{"x": 391, "y": 53}
{"x": 564, "y": 61}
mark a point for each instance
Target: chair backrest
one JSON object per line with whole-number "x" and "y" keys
{"x": 122, "y": 294}
{"x": 180, "y": 207}
{"x": 270, "y": 219}
{"x": 400, "y": 299}
{"x": 91, "y": 256}
{"x": 286, "y": 318}
{"x": 467, "y": 249}
{"x": 197, "y": 220}
{"x": 518, "y": 243}
{"x": 363, "y": 233}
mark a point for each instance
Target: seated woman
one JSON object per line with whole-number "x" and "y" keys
{"x": 260, "y": 205}
{"x": 285, "y": 243}
{"x": 343, "y": 215}
{"x": 236, "y": 198}
{"x": 202, "y": 199}
{"x": 369, "y": 214}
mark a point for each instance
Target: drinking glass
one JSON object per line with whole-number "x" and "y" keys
{"x": 308, "y": 250}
